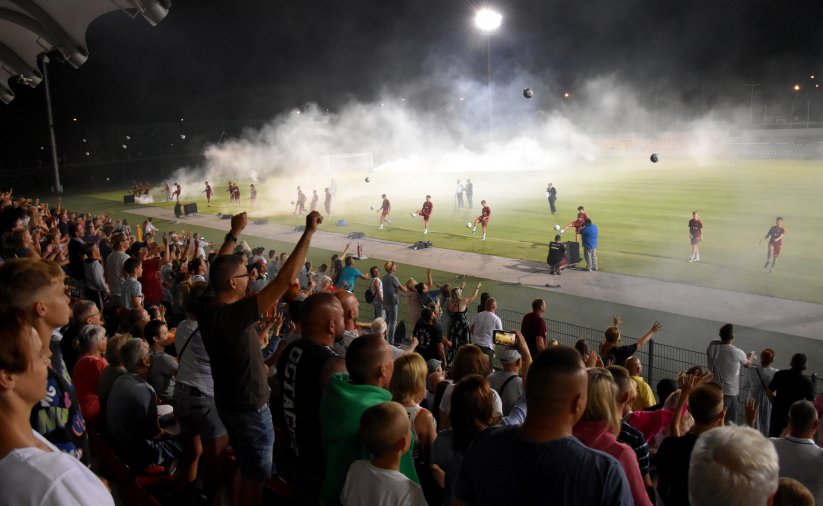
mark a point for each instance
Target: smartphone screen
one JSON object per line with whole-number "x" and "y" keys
{"x": 504, "y": 337}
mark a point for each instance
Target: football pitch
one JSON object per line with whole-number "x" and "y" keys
{"x": 641, "y": 209}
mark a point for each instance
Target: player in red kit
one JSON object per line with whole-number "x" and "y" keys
{"x": 695, "y": 235}
{"x": 483, "y": 219}
{"x": 384, "y": 210}
{"x": 578, "y": 223}
{"x": 208, "y": 191}
{"x": 426, "y": 212}
{"x": 775, "y": 236}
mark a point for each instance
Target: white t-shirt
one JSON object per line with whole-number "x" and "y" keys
{"x": 802, "y": 460}
{"x": 367, "y": 484}
{"x": 485, "y": 323}
{"x": 31, "y": 476}
{"x": 728, "y": 360}
{"x": 446, "y": 401}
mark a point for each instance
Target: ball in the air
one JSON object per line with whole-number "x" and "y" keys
{"x": 292, "y": 202}
{"x": 468, "y": 224}
{"x": 367, "y": 180}
{"x": 371, "y": 207}
{"x": 528, "y": 93}
{"x": 654, "y": 158}
{"x": 557, "y": 228}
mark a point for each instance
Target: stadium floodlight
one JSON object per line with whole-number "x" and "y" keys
{"x": 488, "y": 20}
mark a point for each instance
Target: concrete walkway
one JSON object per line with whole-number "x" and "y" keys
{"x": 804, "y": 319}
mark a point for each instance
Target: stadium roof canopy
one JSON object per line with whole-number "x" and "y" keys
{"x": 29, "y": 28}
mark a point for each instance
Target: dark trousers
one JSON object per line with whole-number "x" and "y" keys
{"x": 551, "y": 204}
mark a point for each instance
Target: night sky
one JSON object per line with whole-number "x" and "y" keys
{"x": 245, "y": 60}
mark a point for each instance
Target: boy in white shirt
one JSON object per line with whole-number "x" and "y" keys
{"x": 385, "y": 430}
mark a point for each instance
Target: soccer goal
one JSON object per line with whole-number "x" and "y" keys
{"x": 348, "y": 162}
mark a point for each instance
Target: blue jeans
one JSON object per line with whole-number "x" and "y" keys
{"x": 252, "y": 437}
{"x": 379, "y": 310}
{"x": 391, "y": 320}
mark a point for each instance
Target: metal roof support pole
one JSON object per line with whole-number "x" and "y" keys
{"x": 58, "y": 188}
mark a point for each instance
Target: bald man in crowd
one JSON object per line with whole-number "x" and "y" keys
{"x": 304, "y": 370}
{"x": 351, "y": 311}
{"x": 370, "y": 364}
{"x": 541, "y": 458}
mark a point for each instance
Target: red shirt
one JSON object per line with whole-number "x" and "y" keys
{"x": 533, "y": 325}
{"x": 152, "y": 288}
{"x": 87, "y": 373}
{"x": 427, "y": 209}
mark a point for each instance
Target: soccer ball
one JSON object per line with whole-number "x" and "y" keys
{"x": 371, "y": 207}
{"x": 654, "y": 158}
{"x": 468, "y": 224}
{"x": 528, "y": 93}
{"x": 557, "y": 228}
{"x": 292, "y": 202}
{"x": 367, "y": 180}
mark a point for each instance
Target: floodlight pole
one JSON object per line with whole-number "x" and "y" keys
{"x": 489, "y": 82}
{"x": 752, "y": 86}
{"x": 58, "y": 188}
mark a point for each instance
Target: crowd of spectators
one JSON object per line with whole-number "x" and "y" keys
{"x": 173, "y": 351}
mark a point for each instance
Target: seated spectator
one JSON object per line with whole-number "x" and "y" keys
{"x": 132, "y": 290}
{"x": 163, "y": 366}
{"x": 800, "y": 458}
{"x": 787, "y": 387}
{"x": 540, "y": 461}
{"x": 600, "y": 424}
{"x": 370, "y": 365}
{"x": 468, "y": 360}
{"x": 507, "y": 382}
{"x": 792, "y": 493}
{"x": 91, "y": 344}
{"x": 32, "y": 469}
{"x": 613, "y": 353}
{"x": 645, "y": 398}
{"x": 757, "y": 381}
{"x": 84, "y": 312}
{"x": 472, "y": 411}
{"x": 674, "y": 454}
{"x": 732, "y": 466}
{"x": 114, "y": 370}
{"x": 408, "y": 388}
{"x": 384, "y": 430}
{"x": 132, "y": 423}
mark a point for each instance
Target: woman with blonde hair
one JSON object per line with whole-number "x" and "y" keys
{"x": 613, "y": 353}
{"x": 408, "y": 387}
{"x": 600, "y": 425}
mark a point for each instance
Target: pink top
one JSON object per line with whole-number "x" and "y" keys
{"x": 86, "y": 376}
{"x": 596, "y": 435}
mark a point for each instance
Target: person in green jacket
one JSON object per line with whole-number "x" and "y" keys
{"x": 370, "y": 366}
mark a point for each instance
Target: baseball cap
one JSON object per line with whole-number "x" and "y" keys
{"x": 509, "y": 355}
{"x": 433, "y": 364}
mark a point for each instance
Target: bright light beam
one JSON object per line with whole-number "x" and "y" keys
{"x": 488, "y": 20}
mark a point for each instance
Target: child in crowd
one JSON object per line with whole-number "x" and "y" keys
{"x": 132, "y": 289}
{"x": 385, "y": 430}
{"x": 163, "y": 366}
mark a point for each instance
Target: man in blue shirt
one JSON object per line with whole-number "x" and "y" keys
{"x": 349, "y": 275}
{"x": 589, "y": 238}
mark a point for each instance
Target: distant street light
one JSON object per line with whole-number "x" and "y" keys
{"x": 488, "y": 21}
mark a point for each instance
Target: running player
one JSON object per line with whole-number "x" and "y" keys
{"x": 314, "y": 199}
{"x": 327, "y": 202}
{"x": 208, "y": 191}
{"x": 578, "y": 223}
{"x": 384, "y": 210}
{"x": 426, "y": 212}
{"x": 775, "y": 236}
{"x": 696, "y": 235}
{"x": 177, "y": 191}
{"x": 483, "y": 219}
{"x": 300, "y": 203}
{"x": 253, "y": 196}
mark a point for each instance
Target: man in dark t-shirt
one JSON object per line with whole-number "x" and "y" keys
{"x": 540, "y": 461}
{"x": 227, "y": 323}
{"x": 787, "y": 387}
{"x": 430, "y": 336}
{"x": 695, "y": 236}
{"x": 533, "y": 327}
{"x": 303, "y": 371}
{"x": 557, "y": 255}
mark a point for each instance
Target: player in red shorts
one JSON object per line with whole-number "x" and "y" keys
{"x": 578, "y": 223}
{"x": 695, "y": 235}
{"x": 775, "y": 236}
{"x": 177, "y": 191}
{"x": 384, "y": 210}
{"x": 483, "y": 219}
{"x": 208, "y": 191}
{"x": 426, "y": 212}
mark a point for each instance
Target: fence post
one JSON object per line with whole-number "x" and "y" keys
{"x": 651, "y": 362}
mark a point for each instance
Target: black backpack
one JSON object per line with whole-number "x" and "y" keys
{"x": 369, "y": 295}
